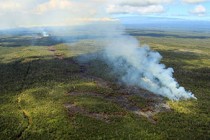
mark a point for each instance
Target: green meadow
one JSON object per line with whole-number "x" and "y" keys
{"x": 46, "y": 94}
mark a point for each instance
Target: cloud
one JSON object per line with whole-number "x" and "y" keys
{"x": 26, "y": 13}
{"x": 199, "y": 10}
{"x": 116, "y": 9}
{"x": 194, "y": 1}
{"x": 54, "y": 5}
{"x": 142, "y": 3}
{"x": 9, "y": 5}
{"x": 137, "y": 6}
{"x": 16, "y": 13}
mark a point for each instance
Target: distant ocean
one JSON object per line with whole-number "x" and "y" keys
{"x": 166, "y": 24}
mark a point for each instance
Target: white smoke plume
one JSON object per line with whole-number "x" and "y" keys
{"x": 45, "y": 34}
{"x": 136, "y": 65}
{"x": 139, "y": 66}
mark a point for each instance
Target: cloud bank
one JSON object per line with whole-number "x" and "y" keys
{"x": 195, "y": 1}
{"x": 26, "y": 13}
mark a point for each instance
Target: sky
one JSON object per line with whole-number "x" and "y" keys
{"x": 27, "y": 13}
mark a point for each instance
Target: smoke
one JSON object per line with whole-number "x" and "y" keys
{"x": 45, "y": 34}
{"x": 138, "y": 65}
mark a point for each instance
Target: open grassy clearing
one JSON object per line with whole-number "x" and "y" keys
{"x": 38, "y": 86}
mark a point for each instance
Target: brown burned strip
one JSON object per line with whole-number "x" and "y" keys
{"x": 51, "y": 48}
{"x": 151, "y": 109}
{"x": 154, "y": 104}
{"x": 74, "y": 109}
{"x": 98, "y": 81}
{"x": 55, "y": 53}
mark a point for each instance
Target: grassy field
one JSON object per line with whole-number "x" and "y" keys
{"x": 46, "y": 94}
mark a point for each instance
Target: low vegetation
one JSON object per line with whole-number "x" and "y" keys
{"x": 38, "y": 83}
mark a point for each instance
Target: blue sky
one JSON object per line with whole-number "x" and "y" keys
{"x": 27, "y": 13}
{"x": 176, "y": 9}
{"x": 186, "y": 11}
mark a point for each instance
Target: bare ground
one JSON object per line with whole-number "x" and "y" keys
{"x": 55, "y": 53}
{"x": 154, "y": 105}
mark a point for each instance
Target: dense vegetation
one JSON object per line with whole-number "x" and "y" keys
{"x": 37, "y": 85}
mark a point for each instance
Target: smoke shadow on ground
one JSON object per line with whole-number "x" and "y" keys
{"x": 71, "y": 65}
{"x": 39, "y": 40}
{"x": 21, "y": 76}
{"x": 19, "y": 41}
